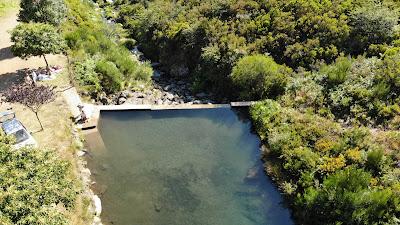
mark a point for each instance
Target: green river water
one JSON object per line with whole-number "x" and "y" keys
{"x": 182, "y": 167}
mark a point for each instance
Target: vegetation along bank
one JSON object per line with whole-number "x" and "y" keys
{"x": 327, "y": 74}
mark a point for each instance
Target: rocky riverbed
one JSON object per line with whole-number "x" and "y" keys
{"x": 164, "y": 91}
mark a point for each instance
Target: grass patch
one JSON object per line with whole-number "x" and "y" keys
{"x": 7, "y": 5}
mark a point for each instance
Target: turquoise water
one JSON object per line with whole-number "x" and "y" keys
{"x": 183, "y": 167}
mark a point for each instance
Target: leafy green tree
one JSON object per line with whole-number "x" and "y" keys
{"x": 259, "y": 76}
{"x": 42, "y": 11}
{"x": 36, "y": 39}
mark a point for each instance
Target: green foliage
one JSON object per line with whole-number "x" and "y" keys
{"x": 258, "y": 77}
{"x": 337, "y": 175}
{"x": 372, "y": 23}
{"x": 360, "y": 91}
{"x": 347, "y": 198}
{"x": 89, "y": 38}
{"x": 86, "y": 76}
{"x": 36, "y": 39}
{"x": 42, "y": 11}
{"x": 35, "y": 186}
{"x": 374, "y": 161}
{"x": 337, "y": 73}
{"x": 110, "y": 76}
{"x": 205, "y": 39}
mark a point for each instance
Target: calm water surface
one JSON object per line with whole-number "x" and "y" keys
{"x": 182, "y": 167}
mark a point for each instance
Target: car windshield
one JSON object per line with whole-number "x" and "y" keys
{"x": 20, "y": 136}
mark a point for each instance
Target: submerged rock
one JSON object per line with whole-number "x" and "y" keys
{"x": 157, "y": 207}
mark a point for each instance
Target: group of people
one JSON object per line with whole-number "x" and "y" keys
{"x": 42, "y": 74}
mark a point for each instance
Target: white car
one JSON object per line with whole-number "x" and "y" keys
{"x": 13, "y": 127}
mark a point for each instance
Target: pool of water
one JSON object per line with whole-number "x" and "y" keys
{"x": 182, "y": 167}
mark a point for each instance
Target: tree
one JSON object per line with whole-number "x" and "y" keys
{"x": 31, "y": 96}
{"x": 259, "y": 76}
{"x": 42, "y": 11}
{"x": 36, "y": 39}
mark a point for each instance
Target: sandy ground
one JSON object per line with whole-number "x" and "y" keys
{"x": 9, "y": 65}
{"x": 50, "y": 114}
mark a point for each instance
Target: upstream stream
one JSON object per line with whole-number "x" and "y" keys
{"x": 182, "y": 167}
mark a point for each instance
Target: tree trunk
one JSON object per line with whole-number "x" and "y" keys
{"x": 37, "y": 116}
{"x": 47, "y": 64}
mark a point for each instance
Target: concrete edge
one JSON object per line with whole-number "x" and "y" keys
{"x": 131, "y": 107}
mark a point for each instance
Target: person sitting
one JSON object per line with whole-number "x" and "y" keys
{"x": 82, "y": 116}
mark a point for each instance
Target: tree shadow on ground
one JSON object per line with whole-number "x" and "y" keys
{"x": 5, "y": 53}
{"x": 8, "y": 79}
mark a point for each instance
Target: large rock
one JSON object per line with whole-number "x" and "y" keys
{"x": 169, "y": 96}
{"x": 121, "y": 100}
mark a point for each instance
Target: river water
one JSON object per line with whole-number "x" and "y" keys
{"x": 182, "y": 167}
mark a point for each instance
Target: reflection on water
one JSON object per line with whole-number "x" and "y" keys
{"x": 182, "y": 167}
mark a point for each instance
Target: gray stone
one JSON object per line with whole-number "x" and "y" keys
{"x": 124, "y": 94}
{"x": 169, "y": 96}
{"x": 121, "y": 100}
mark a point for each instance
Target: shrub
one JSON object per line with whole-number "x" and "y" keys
{"x": 337, "y": 72}
{"x": 374, "y": 161}
{"x": 86, "y": 76}
{"x": 110, "y": 77}
{"x": 34, "y": 185}
{"x": 88, "y": 37}
{"x": 372, "y": 23}
{"x": 258, "y": 76}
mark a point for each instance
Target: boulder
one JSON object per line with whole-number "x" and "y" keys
{"x": 169, "y": 96}
{"x": 121, "y": 100}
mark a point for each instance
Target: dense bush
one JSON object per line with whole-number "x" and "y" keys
{"x": 89, "y": 38}
{"x": 334, "y": 175}
{"x": 206, "y": 38}
{"x": 36, "y": 187}
{"x": 86, "y": 76}
{"x": 110, "y": 76}
{"x": 359, "y": 91}
{"x": 258, "y": 77}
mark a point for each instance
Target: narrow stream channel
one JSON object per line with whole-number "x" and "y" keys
{"x": 182, "y": 167}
